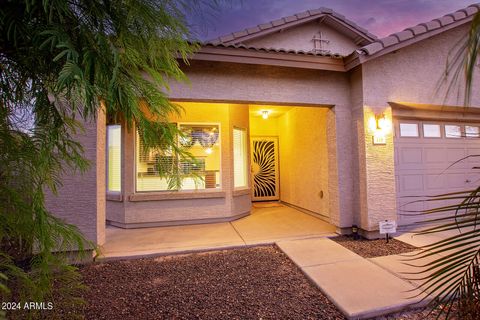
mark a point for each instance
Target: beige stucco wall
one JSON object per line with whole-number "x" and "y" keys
{"x": 300, "y": 38}
{"x": 264, "y": 127}
{"x": 152, "y": 212}
{"x": 304, "y": 158}
{"x": 411, "y": 74}
{"x": 81, "y": 197}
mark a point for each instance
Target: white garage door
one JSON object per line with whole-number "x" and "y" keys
{"x": 423, "y": 153}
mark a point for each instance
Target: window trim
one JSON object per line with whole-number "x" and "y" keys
{"x": 114, "y": 193}
{"x": 193, "y": 192}
{"x": 432, "y": 123}
{"x": 452, "y": 125}
{"x": 247, "y": 160}
{"x": 400, "y": 130}
{"x": 472, "y": 137}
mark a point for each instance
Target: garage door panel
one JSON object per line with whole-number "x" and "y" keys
{"x": 424, "y": 167}
{"x": 434, "y": 155}
{"x": 475, "y": 156}
{"x": 455, "y": 154}
{"x": 455, "y": 180}
{"x": 434, "y": 182}
{"x": 411, "y": 155}
{"x": 411, "y": 183}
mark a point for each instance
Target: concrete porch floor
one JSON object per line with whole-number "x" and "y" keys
{"x": 268, "y": 223}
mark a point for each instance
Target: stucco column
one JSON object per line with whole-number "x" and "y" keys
{"x": 378, "y": 201}
{"x": 339, "y": 137}
{"x": 81, "y": 198}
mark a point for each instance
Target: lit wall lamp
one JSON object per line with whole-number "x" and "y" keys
{"x": 378, "y": 122}
{"x": 380, "y": 126}
{"x": 265, "y": 114}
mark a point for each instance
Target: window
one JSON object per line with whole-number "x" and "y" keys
{"x": 431, "y": 131}
{"x": 114, "y": 158}
{"x": 408, "y": 130}
{"x": 472, "y": 132}
{"x": 162, "y": 170}
{"x": 240, "y": 175}
{"x": 452, "y": 131}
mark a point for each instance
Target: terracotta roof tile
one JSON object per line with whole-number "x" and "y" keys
{"x": 270, "y": 50}
{"x": 298, "y": 17}
{"x": 388, "y": 41}
{"x": 326, "y": 10}
{"x": 418, "y": 29}
{"x": 422, "y": 28}
{"x": 373, "y": 48}
{"x": 227, "y": 38}
{"x": 432, "y": 25}
{"x": 278, "y": 22}
{"x": 240, "y": 33}
{"x": 445, "y": 20}
{"x": 265, "y": 26}
{"x": 338, "y": 15}
{"x": 251, "y": 30}
{"x": 470, "y": 10}
{"x": 315, "y": 11}
{"x": 458, "y": 15}
{"x": 302, "y": 15}
{"x": 403, "y": 35}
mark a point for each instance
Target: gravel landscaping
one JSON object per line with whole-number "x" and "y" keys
{"x": 252, "y": 283}
{"x": 373, "y": 248}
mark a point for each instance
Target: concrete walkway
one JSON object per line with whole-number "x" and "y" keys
{"x": 265, "y": 225}
{"x": 360, "y": 288}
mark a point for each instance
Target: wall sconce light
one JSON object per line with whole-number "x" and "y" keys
{"x": 378, "y": 122}
{"x": 380, "y": 126}
{"x": 265, "y": 114}
{"x": 208, "y": 150}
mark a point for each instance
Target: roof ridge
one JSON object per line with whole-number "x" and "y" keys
{"x": 421, "y": 28}
{"x": 288, "y": 19}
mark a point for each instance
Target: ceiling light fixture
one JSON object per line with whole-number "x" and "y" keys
{"x": 265, "y": 114}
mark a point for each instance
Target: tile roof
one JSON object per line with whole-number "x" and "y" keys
{"x": 306, "y": 15}
{"x": 271, "y": 50}
{"x": 420, "y": 29}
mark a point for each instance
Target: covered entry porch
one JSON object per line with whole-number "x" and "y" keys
{"x": 268, "y": 223}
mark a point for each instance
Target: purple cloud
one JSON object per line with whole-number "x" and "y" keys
{"x": 380, "y": 17}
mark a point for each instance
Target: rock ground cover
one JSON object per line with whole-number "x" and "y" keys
{"x": 252, "y": 283}
{"x": 373, "y": 248}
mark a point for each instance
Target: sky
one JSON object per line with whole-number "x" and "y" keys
{"x": 380, "y": 17}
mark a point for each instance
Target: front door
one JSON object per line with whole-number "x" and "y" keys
{"x": 265, "y": 168}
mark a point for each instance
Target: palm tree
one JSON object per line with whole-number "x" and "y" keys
{"x": 59, "y": 62}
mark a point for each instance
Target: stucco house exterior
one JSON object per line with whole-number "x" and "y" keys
{"x": 311, "y": 110}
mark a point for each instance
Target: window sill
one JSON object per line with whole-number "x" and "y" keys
{"x": 114, "y": 196}
{"x": 241, "y": 192}
{"x": 176, "y": 195}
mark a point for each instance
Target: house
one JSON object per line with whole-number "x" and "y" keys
{"x": 311, "y": 110}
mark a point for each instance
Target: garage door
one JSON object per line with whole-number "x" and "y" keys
{"x": 423, "y": 153}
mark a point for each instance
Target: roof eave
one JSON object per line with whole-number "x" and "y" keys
{"x": 242, "y": 56}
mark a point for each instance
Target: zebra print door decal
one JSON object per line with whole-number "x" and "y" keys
{"x": 265, "y": 168}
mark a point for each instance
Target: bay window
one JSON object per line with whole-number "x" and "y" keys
{"x": 240, "y": 159}
{"x": 163, "y": 170}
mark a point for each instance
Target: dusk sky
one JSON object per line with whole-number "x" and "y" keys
{"x": 380, "y": 17}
